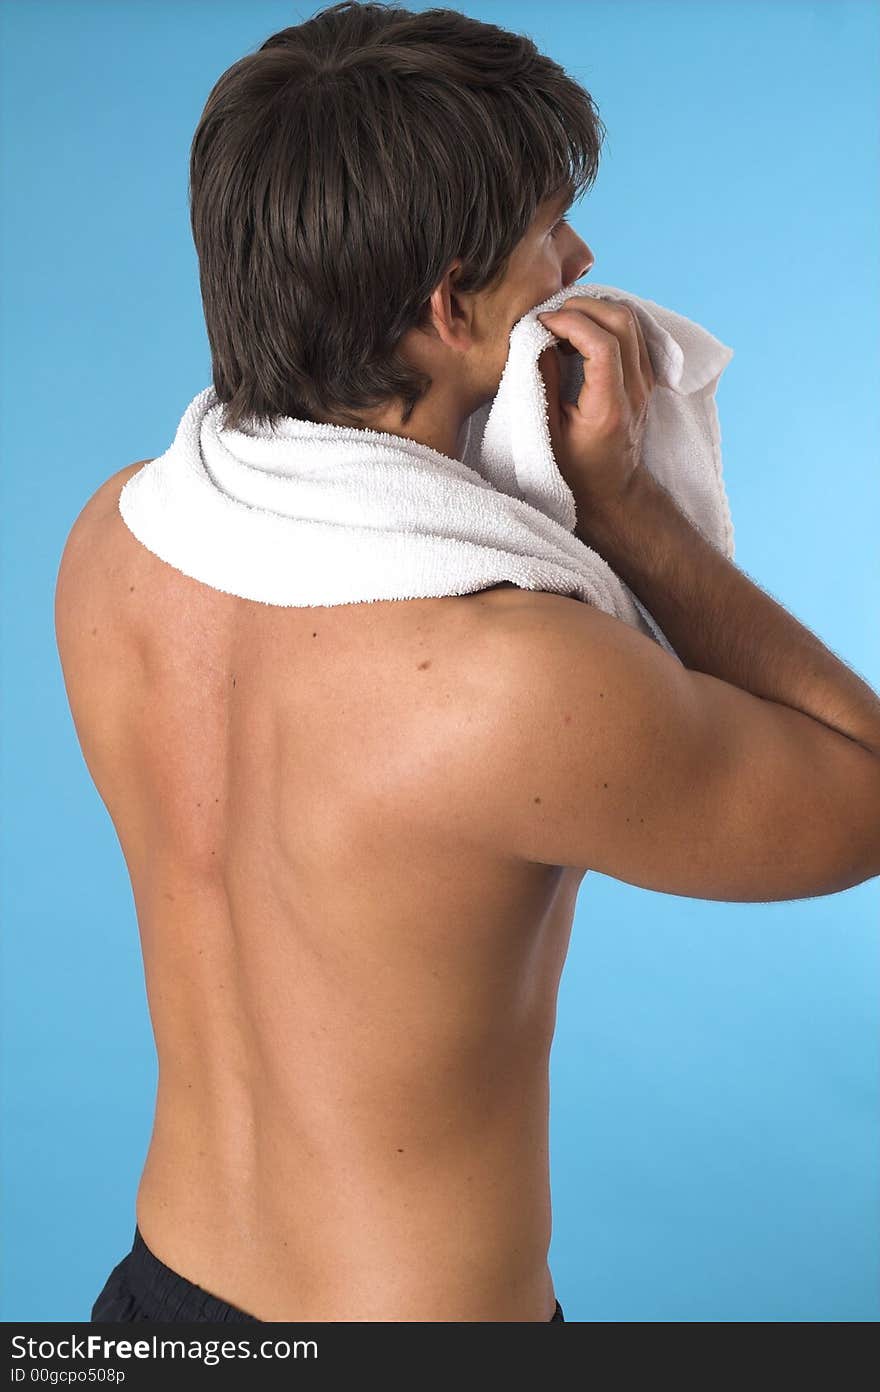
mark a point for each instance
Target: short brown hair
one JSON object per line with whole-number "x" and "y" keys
{"x": 339, "y": 170}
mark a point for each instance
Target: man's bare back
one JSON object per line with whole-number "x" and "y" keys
{"x": 353, "y": 994}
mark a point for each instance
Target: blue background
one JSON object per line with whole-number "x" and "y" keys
{"x": 714, "y": 1131}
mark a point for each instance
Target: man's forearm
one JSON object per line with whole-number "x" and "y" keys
{"x": 718, "y": 620}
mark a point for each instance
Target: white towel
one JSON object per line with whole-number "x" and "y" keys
{"x": 308, "y": 514}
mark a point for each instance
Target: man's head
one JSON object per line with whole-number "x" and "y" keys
{"x": 375, "y": 200}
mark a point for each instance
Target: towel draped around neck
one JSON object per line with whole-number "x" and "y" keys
{"x": 306, "y": 514}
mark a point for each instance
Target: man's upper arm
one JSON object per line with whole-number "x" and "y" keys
{"x": 610, "y": 755}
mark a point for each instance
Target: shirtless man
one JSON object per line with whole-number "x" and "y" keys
{"x": 356, "y": 835}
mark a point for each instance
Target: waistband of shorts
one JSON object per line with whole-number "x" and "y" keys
{"x": 164, "y": 1295}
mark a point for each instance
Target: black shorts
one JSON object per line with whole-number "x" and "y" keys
{"x": 141, "y": 1287}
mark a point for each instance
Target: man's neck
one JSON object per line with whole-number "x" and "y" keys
{"x": 436, "y": 421}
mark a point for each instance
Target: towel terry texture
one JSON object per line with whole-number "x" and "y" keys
{"x": 308, "y": 514}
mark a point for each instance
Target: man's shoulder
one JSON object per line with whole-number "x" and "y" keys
{"x": 83, "y": 553}
{"x": 524, "y": 618}
{"x": 105, "y": 498}
{"x": 528, "y": 649}
{"x": 101, "y": 503}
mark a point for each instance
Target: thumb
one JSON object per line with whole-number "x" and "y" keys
{"x": 562, "y": 344}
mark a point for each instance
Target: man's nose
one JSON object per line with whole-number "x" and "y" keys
{"x": 582, "y": 260}
{"x": 588, "y": 262}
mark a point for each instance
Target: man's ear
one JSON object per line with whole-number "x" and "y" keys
{"x": 449, "y": 303}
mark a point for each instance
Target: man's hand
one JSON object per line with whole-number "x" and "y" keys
{"x": 597, "y": 441}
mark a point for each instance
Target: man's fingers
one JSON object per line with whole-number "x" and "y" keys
{"x": 592, "y": 324}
